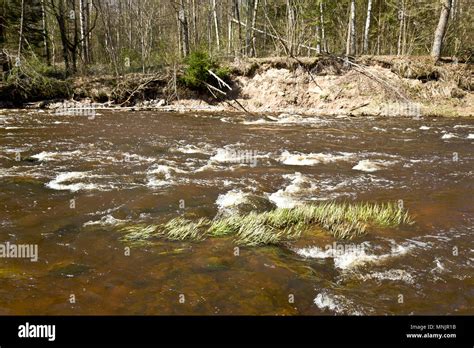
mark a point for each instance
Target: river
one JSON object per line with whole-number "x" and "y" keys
{"x": 69, "y": 183}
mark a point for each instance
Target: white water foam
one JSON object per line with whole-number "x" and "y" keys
{"x": 54, "y": 156}
{"x": 230, "y": 199}
{"x": 300, "y": 159}
{"x": 287, "y": 119}
{"x": 449, "y": 136}
{"x": 352, "y": 258}
{"x": 61, "y": 180}
{"x": 370, "y": 166}
{"x": 288, "y": 197}
{"x": 335, "y": 303}
{"x": 192, "y": 149}
{"x": 107, "y": 220}
{"x": 159, "y": 175}
{"x": 391, "y": 275}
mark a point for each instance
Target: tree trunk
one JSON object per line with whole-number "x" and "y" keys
{"x": 90, "y": 58}
{"x": 291, "y": 26}
{"x": 195, "y": 37}
{"x": 441, "y": 29}
{"x": 237, "y": 15}
{"x": 183, "y": 21}
{"x": 20, "y": 33}
{"x": 367, "y": 27}
{"x": 318, "y": 40}
{"x": 253, "y": 52}
{"x": 216, "y": 24}
{"x": 47, "y": 50}
{"x": 73, "y": 47}
{"x": 323, "y": 31}
{"x": 248, "y": 22}
{"x": 82, "y": 29}
{"x": 351, "y": 35}
{"x": 62, "y": 24}
{"x": 401, "y": 18}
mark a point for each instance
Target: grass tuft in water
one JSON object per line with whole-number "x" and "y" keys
{"x": 342, "y": 220}
{"x": 138, "y": 234}
{"x": 184, "y": 229}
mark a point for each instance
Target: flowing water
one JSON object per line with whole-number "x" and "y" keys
{"x": 68, "y": 184}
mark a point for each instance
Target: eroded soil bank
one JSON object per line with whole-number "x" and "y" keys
{"x": 327, "y": 85}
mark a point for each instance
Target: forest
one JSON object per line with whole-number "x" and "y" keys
{"x": 120, "y": 36}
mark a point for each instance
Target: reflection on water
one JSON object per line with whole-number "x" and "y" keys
{"x": 68, "y": 183}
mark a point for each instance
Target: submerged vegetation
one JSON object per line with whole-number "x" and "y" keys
{"x": 342, "y": 220}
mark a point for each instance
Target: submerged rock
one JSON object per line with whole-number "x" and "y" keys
{"x": 240, "y": 203}
{"x": 69, "y": 270}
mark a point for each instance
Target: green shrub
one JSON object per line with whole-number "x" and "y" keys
{"x": 197, "y": 71}
{"x": 33, "y": 82}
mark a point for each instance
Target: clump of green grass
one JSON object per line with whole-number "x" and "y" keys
{"x": 184, "y": 229}
{"x": 138, "y": 232}
{"x": 342, "y": 220}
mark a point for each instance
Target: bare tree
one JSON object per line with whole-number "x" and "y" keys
{"x": 351, "y": 34}
{"x": 401, "y": 19}
{"x": 253, "y": 51}
{"x": 184, "y": 31}
{"x": 216, "y": 24}
{"x": 441, "y": 29}
{"x": 367, "y": 26}
{"x": 239, "y": 23}
{"x": 20, "y": 33}
{"x": 291, "y": 25}
{"x": 44, "y": 23}
{"x": 323, "y": 30}
{"x": 84, "y": 25}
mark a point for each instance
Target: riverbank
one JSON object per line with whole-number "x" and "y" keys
{"x": 327, "y": 85}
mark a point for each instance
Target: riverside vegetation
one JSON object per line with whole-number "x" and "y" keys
{"x": 342, "y": 220}
{"x": 291, "y": 50}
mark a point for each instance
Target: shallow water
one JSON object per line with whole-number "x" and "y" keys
{"x": 121, "y": 168}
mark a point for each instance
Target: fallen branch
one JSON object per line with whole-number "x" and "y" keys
{"x": 139, "y": 88}
{"x": 362, "y": 70}
{"x": 283, "y": 43}
{"x": 221, "y": 82}
{"x": 212, "y": 88}
{"x": 359, "y": 106}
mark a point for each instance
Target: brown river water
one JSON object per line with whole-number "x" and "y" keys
{"x": 68, "y": 183}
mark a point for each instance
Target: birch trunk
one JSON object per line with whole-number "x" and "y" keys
{"x": 351, "y": 44}
{"x": 47, "y": 50}
{"x": 441, "y": 29}
{"x": 20, "y": 33}
{"x": 367, "y": 27}
{"x": 216, "y": 24}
